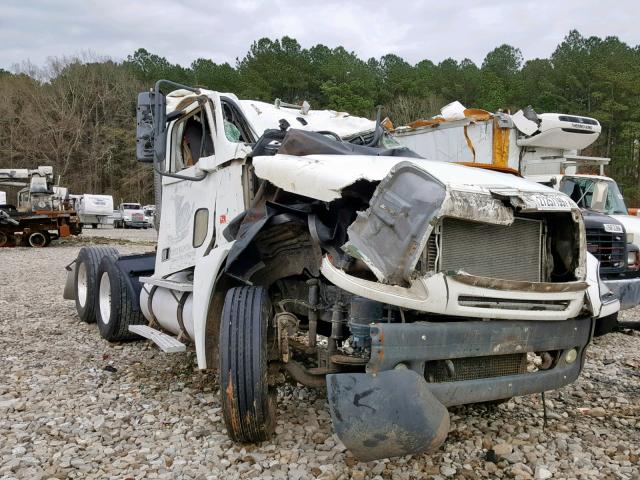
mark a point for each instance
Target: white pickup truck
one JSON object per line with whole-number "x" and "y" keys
{"x": 129, "y": 215}
{"x": 286, "y": 250}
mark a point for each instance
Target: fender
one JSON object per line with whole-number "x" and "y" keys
{"x": 601, "y": 302}
{"x": 593, "y": 292}
{"x": 205, "y": 276}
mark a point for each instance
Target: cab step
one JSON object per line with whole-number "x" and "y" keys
{"x": 166, "y": 343}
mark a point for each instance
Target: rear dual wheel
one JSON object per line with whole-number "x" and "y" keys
{"x": 114, "y": 305}
{"x": 86, "y": 280}
{"x": 248, "y": 402}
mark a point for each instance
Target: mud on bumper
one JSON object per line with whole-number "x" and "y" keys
{"x": 417, "y": 370}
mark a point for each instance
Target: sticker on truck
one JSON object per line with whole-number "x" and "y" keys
{"x": 612, "y": 228}
{"x": 549, "y": 202}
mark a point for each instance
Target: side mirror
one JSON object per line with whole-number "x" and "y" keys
{"x": 144, "y": 129}
{"x": 599, "y": 197}
{"x": 150, "y": 128}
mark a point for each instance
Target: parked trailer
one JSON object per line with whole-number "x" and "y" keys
{"x": 95, "y": 210}
{"x": 401, "y": 284}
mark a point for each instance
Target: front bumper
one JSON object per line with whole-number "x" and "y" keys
{"x": 366, "y": 408}
{"x": 135, "y": 224}
{"x": 627, "y": 290}
{"x": 463, "y": 295}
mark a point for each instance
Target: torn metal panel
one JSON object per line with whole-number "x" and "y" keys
{"x": 524, "y": 124}
{"x": 322, "y": 177}
{"x": 391, "y": 234}
{"x": 480, "y": 207}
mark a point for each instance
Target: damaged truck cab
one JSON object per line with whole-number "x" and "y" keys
{"x": 287, "y": 251}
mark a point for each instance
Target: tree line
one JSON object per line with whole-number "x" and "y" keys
{"x": 78, "y": 114}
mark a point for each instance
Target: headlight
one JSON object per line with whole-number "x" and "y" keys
{"x": 127, "y": 218}
{"x": 629, "y": 237}
{"x": 631, "y": 258}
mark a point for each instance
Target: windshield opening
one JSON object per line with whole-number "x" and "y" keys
{"x": 582, "y": 189}
{"x": 131, "y": 206}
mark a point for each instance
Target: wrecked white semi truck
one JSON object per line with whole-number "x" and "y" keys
{"x": 287, "y": 250}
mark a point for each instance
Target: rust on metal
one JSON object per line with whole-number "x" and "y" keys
{"x": 500, "y": 146}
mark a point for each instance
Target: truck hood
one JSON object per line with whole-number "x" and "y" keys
{"x": 631, "y": 225}
{"x": 594, "y": 219}
{"x": 323, "y": 177}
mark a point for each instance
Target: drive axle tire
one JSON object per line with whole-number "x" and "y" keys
{"x": 86, "y": 280}
{"x": 39, "y": 239}
{"x": 248, "y": 403}
{"x": 114, "y": 305}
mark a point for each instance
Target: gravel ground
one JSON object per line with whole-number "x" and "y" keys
{"x": 74, "y": 406}
{"x": 127, "y": 234}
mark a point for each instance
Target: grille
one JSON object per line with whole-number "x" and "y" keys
{"x": 512, "y": 303}
{"x": 472, "y": 368}
{"x": 608, "y": 248}
{"x": 509, "y": 252}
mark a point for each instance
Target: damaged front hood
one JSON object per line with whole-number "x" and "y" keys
{"x": 411, "y": 194}
{"x": 323, "y": 177}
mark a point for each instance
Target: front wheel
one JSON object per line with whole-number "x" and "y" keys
{"x": 39, "y": 239}
{"x": 4, "y": 239}
{"x": 248, "y": 403}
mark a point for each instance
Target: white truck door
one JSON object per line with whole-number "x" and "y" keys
{"x": 194, "y": 213}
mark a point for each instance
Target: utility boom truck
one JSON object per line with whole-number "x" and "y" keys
{"x": 307, "y": 245}
{"x": 42, "y": 212}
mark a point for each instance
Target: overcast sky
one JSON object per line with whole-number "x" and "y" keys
{"x": 183, "y": 30}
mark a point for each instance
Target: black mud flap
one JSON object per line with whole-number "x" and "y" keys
{"x": 387, "y": 415}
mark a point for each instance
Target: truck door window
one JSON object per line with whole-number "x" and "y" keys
{"x": 193, "y": 140}
{"x": 200, "y": 226}
{"x": 235, "y": 126}
{"x": 581, "y": 190}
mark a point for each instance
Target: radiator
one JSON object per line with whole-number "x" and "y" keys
{"x": 508, "y": 252}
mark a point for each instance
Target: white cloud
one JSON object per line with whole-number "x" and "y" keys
{"x": 184, "y": 30}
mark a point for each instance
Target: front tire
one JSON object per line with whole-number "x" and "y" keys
{"x": 86, "y": 280}
{"x": 248, "y": 403}
{"x": 39, "y": 239}
{"x": 114, "y": 305}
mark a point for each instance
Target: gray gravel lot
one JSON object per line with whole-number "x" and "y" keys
{"x": 74, "y": 406}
